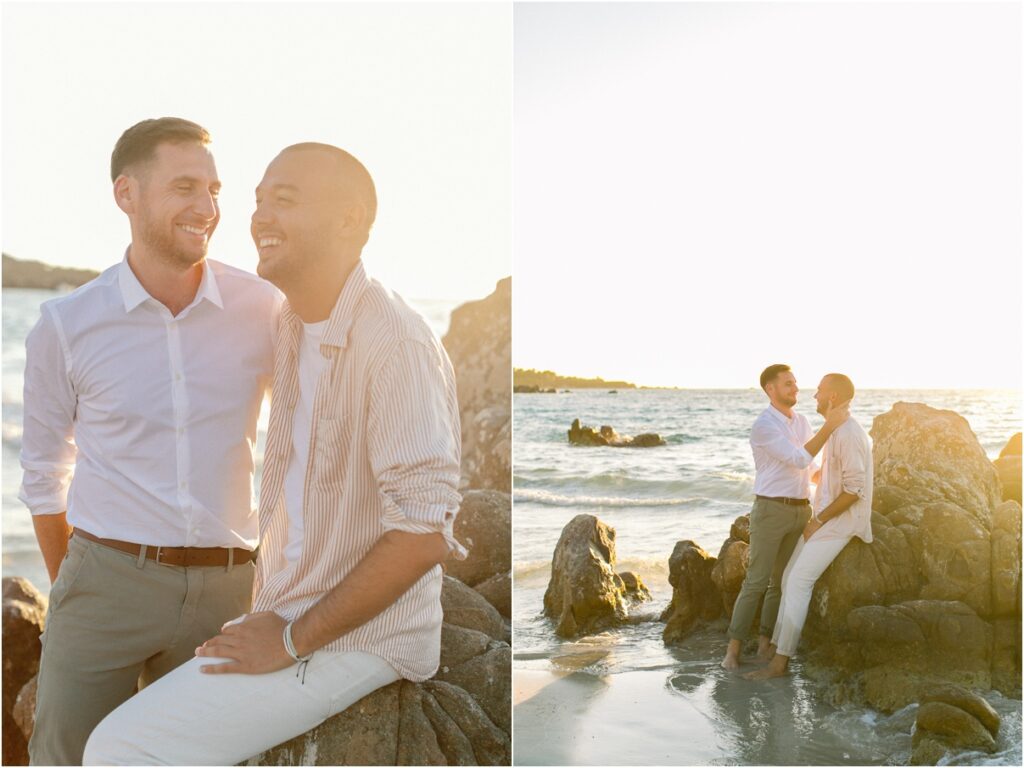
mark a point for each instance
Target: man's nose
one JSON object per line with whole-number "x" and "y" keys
{"x": 260, "y": 215}
{"x": 206, "y": 205}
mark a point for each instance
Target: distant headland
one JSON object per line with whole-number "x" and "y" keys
{"x": 523, "y": 378}
{"x": 35, "y": 274}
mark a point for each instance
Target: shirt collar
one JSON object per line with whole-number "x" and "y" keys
{"x": 780, "y": 415}
{"x": 133, "y": 294}
{"x": 340, "y": 321}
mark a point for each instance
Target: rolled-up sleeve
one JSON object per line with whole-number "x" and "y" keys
{"x": 47, "y": 444}
{"x": 774, "y": 442}
{"x": 414, "y": 442}
{"x": 853, "y": 453}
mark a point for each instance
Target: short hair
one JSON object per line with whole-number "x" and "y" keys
{"x": 841, "y": 385}
{"x": 354, "y": 172}
{"x": 138, "y": 144}
{"x": 768, "y": 374}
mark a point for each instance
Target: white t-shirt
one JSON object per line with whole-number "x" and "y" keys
{"x": 311, "y": 364}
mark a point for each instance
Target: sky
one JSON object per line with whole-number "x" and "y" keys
{"x": 420, "y": 93}
{"x": 703, "y": 189}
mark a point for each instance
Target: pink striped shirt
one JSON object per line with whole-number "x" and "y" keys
{"x": 384, "y": 455}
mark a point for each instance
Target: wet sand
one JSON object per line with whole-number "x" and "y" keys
{"x": 689, "y": 711}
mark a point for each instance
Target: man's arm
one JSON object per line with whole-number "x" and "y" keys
{"x": 396, "y": 562}
{"x": 840, "y": 504}
{"x": 774, "y": 441}
{"x": 52, "y": 532}
{"x": 48, "y": 449}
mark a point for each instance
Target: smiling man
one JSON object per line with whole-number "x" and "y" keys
{"x": 142, "y": 390}
{"x": 358, "y": 498}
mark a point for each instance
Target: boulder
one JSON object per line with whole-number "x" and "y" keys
{"x": 497, "y": 591}
{"x": 1008, "y": 467}
{"x": 956, "y": 557}
{"x": 24, "y": 617}
{"x": 488, "y": 679}
{"x": 971, "y": 703}
{"x": 484, "y": 527}
{"x": 464, "y": 607}
{"x": 479, "y": 343}
{"x": 730, "y": 569}
{"x": 740, "y": 528}
{"x": 633, "y": 587}
{"x": 431, "y": 723}
{"x": 695, "y": 597}
{"x": 944, "y": 728}
{"x": 584, "y": 594}
{"x": 1006, "y": 559}
{"x": 607, "y": 436}
{"x": 24, "y": 712}
{"x": 934, "y": 456}
{"x": 1012, "y": 447}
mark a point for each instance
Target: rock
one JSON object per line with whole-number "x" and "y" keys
{"x": 1012, "y": 447}
{"x": 969, "y": 702}
{"x": 740, "y": 528}
{"x": 695, "y": 598}
{"x": 957, "y": 557}
{"x": 497, "y": 591}
{"x": 464, "y": 607}
{"x": 1006, "y": 656}
{"x": 584, "y": 594}
{"x": 1006, "y": 559}
{"x": 488, "y": 679}
{"x": 431, "y": 723}
{"x": 949, "y": 726}
{"x": 484, "y": 526}
{"x": 607, "y": 436}
{"x": 935, "y": 456}
{"x": 18, "y": 273}
{"x": 479, "y": 343}
{"x": 24, "y": 617}
{"x": 633, "y": 587}
{"x": 24, "y": 712}
{"x": 905, "y": 649}
{"x": 1009, "y": 470}
{"x": 730, "y": 570}
{"x": 459, "y": 644}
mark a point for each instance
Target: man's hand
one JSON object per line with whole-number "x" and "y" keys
{"x": 812, "y": 526}
{"x": 256, "y": 645}
{"x": 837, "y": 414}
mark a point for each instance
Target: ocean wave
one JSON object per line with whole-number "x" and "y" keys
{"x": 548, "y": 498}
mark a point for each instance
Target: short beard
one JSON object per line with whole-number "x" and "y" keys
{"x": 164, "y": 248}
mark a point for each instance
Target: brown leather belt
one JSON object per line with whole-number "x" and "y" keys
{"x": 183, "y": 557}
{"x": 785, "y": 500}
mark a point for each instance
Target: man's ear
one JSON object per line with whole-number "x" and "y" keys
{"x": 126, "y": 191}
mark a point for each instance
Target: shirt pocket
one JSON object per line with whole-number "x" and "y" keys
{"x": 331, "y": 452}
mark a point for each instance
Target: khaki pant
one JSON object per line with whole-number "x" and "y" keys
{"x": 775, "y": 528}
{"x": 116, "y": 621}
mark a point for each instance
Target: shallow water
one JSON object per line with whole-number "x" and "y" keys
{"x": 624, "y": 698}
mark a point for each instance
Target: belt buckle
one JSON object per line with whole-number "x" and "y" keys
{"x": 159, "y": 556}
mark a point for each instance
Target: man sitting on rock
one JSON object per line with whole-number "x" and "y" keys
{"x": 842, "y": 510}
{"x": 784, "y": 451}
{"x": 358, "y": 498}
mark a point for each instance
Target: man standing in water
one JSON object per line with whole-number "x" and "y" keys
{"x": 842, "y": 510}
{"x": 142, "y": 390}
{"x": 784, "y": 449}
{"x": 358, "y": 499}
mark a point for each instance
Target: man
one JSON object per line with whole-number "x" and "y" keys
{"x": 142, "y": 390}
{"x": 357, "y": 504}
{"x": 784, "y": 450}
{"x": 842, "y": 510}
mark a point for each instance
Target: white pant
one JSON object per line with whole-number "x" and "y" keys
{"x": 191, "y": 718}
{"x": 809, "y": 561}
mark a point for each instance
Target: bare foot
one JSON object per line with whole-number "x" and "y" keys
{"x": 765, "y": 650}
{"x": 731, "y": 662}
{"x": 778, "y": 667}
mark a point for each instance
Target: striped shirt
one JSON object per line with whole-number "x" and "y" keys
{"x": 384, "y": 455}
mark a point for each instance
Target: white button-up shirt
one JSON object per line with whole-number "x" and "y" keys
{"x": 783, "y": 465}
{"x": 846, "y": 466}
{"x": 141, "y": 424}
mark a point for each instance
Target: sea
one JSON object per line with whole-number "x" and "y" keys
{"x": 668, "y": 706}
{"x": 20, "y": 312}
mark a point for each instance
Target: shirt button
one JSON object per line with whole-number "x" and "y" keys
{"x": 183, "y": 486}
{"x": 181, "y": 431}
{"x": 177, "y": 377}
